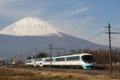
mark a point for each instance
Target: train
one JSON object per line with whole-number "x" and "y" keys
{"x": 84, "y": 61}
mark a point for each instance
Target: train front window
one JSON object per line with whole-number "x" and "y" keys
{"x": 87, "y": 59}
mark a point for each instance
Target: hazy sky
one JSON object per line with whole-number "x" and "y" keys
{"x": 81, "y": 18}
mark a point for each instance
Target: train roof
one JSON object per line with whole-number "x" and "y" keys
{"x": 79, "y": 54}
{"x": 29, "y": 59}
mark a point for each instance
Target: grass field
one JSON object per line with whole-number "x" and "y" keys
{"x": 18, "y": 74}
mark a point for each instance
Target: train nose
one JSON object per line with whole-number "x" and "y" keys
{"x": 87, "y": 66}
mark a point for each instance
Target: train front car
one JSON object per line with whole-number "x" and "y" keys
{"x": 87, "y": 61}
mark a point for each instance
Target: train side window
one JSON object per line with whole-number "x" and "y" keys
{"x": 60, "y": 59}
{"x": 39, "y": 59}
{"x": 28, "y": 61}
{"x": 73, "y": 58}
{"x": 48, "y": 60}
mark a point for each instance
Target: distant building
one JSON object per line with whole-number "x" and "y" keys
{"x": 14, "y": 61}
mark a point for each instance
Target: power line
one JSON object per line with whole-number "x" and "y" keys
{"x": 115, "y": 28}
{"x": 118, "y": 29}
{"x": 30, "y": 52}
{"x": 43, "y": 49}
{"x": 115, "y": 42}
{"x": 88, "y": 39}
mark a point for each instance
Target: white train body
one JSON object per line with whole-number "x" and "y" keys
{"x": 83, "y": 60}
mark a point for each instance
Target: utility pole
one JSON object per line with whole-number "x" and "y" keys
{"x": 25, "y": 55}
{"x": 109, "y": 33}
{"x": 50, "y": 55}
{"x": 20, "y": 58}
{"x": 110, "y": 57}
{"x": 35, "y": 54}
{"x": 7, "y": 62}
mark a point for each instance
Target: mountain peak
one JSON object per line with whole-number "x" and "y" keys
{"x": 31, "y": 26}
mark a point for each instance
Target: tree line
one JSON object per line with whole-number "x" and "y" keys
{"x": 100, "y": 56}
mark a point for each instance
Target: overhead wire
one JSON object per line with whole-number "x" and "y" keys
{"x": 118, "y": 29}
{"x": 37, "y": 51}
{"x": 29, "y": 53}
{"x": 87, "y": 39}
{"x": 118, "y": 32}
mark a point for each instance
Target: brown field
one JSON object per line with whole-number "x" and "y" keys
{"x": 20, "y": 74}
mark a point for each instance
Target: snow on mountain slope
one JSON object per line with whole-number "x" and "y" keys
{"x": 31, "y": 26}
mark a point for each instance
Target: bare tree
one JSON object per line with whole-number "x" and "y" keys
{"x": 42, "y": 55}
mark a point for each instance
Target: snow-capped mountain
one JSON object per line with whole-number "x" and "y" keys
{"x": 31, "y": 31}
{"x": 31, "y": 26}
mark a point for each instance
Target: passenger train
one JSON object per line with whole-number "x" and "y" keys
{"x": 84, "y": 60}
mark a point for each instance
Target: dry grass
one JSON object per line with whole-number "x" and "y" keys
{"x": 18, "y": 74}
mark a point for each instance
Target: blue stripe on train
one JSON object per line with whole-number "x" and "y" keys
{"x": 87, "y": 66}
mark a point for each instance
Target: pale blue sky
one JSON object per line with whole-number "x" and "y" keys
{"x": 81, "y": 18}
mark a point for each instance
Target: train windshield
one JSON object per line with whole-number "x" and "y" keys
{"x": 87, "y": 59}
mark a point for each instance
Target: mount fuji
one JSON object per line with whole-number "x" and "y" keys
{"x": 31, "y": 26}
{"x": 31, "y": 31}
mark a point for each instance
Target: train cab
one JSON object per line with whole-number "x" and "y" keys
{"x": 87, "y": 62}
